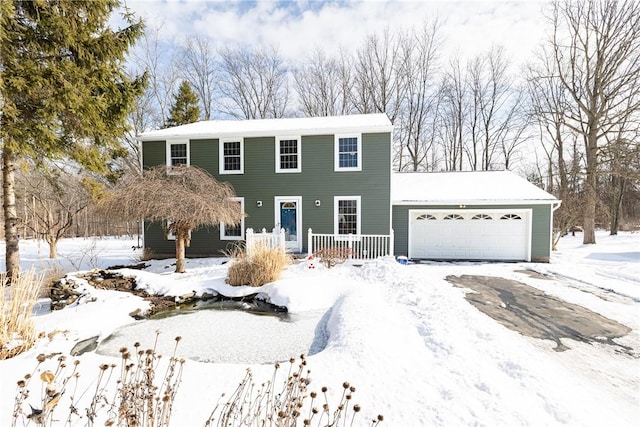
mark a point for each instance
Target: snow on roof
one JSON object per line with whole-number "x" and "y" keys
{"x": 486, "y": 187}
{"x": 271, "y": 127}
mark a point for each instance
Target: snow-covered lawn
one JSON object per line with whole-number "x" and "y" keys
{"x": 416, "y": 350}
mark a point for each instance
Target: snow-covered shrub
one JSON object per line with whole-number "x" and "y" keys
{"x": 332, "y": 256}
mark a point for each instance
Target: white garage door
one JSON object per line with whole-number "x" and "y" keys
{"x": 475, "y": 235}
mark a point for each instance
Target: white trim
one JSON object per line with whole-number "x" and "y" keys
{"x": 336, "y": 221}
{"x": 470, "y": 202}
{"x": 298, "y": 138}
{"x": 222, "y": 226}
{"x": 221, "y": 143}
{"x": 276, "y": 219}
{"x": 169, "y": 143}
{"x": 336, "y": 154}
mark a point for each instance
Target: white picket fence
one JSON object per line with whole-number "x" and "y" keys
{"x": 264, "y": 239}
{"x": 352, "y": 246}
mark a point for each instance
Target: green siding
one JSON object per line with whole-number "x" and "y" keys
{"x": 154, "y": 153}
{"x": 317, "y": 181}
{"x": 540, "y": 226}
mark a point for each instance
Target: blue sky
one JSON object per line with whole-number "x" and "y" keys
{"x": 296, "y": 27}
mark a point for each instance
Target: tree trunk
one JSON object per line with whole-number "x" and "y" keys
{"x": 53, "y": 252}
{"x": 181, "y": 236}
{"x": 590, "y": 193}
{"x": 616, "y": 206}
{"x": 12, "y": 251}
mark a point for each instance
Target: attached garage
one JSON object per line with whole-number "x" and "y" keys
{"x": 483, "y": 234}
{"x": 493, "y": 215}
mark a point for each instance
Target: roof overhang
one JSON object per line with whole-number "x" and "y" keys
{"x": 358, "y": 123}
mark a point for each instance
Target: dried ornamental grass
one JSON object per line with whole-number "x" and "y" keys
{"x": 264, "y": 266}
{"x": 17, "y": 331}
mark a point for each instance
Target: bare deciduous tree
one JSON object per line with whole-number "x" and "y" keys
{"x": 200, "y": 69}
{"x": 52, "y": 200}
{"x": 163, "y": 77}
{"x": 418, "y": 66}
{"x": 142, "y": 117}
{"x": 183, "y": 198}
{"x": 320, "y": 84}
{"x": 596, "y": 49}
{"x": 253, "y": 83}
{"x": 495, "y": 124}
{"x": 377, "y": 83}
{"x": 452, "y": 121}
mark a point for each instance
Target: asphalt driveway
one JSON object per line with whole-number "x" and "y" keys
{"x": 533, "y": 313}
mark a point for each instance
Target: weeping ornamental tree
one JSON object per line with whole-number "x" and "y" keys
{"x": 64, "y": 92}
{"x": 182, "y": 198}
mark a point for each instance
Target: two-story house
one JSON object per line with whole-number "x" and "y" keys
{"x": 333, "y": 175}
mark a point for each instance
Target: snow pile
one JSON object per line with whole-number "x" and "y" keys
{"x": 415, "y": 349}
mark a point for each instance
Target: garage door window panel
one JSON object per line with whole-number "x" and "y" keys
{"x": 453, "y": 217}
{"x": 426, "y": 217}
{"x": 514, "y": 217}
{"x": 482, "y": 217}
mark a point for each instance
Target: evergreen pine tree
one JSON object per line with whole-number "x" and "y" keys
{"x": 185, "y": 108}
{"x": 64, "y": 91}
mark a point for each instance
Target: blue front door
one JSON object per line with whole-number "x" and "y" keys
{"x": 288, "y": 218}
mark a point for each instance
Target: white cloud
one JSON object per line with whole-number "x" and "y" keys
{"x": 470, "y": 27}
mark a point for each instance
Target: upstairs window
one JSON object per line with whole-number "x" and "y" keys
{"x": 288, "y": 155}
{"x": 233, "y": 232}
{"x": 347, "y": 215}
{"x": 177, "y": 153}
{"x": 232, "y": 156}
{"x": 348, "y": 153}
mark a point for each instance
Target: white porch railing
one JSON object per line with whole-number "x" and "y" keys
{"x": 355, "y": 246}
{"x": 274, "y": 239}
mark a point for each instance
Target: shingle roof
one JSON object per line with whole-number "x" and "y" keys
{"x": 486, "y": 187}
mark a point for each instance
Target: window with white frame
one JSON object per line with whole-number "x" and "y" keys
{"x": 347, "y": 215}
{"x": 233, "y": 232}
{"x": 348, "y": 152}
{"x": 231, "y": 156}
{"x": 288, "y": 155}
{"x": 177, "y": 153}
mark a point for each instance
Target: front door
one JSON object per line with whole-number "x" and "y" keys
{"x": 288, "y": 215}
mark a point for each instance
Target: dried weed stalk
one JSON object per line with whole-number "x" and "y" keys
{"x": 288, "y": 405}
{"x": 140, "y": 397}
